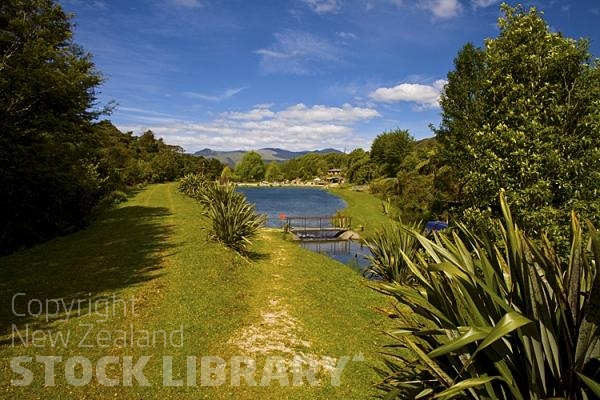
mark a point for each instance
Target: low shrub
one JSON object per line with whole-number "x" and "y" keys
{"x": 234, "y": 221}
{"x": 192, "y": 185}
{"x": 389, "y": 247}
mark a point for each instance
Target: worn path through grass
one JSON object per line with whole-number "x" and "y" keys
{"x": 147, "y": 285}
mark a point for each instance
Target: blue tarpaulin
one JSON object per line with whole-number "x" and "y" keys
{"x": 434, "y": 226}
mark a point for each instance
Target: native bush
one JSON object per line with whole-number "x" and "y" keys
{"x": 192, "y": 185}
{"x": 389, "y": 247}
{"x": 521, "y": 113}
{"x": 505, "y": 319}
{"x": 234, "y": 221}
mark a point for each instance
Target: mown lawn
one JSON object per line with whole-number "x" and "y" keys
{"x": 150, "y": 258}
{"x": 364, "y": 208}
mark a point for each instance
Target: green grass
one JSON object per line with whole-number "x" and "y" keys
{"x": 155, "y": 248}
{"x": 365, "y": 210}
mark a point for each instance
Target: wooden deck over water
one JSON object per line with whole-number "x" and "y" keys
{"x": 318, "y": 227}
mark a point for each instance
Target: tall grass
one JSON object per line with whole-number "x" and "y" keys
{"x": 498, "y": 320}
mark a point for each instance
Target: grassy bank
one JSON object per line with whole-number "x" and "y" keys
{"x": 364, "y": 208}
{"x": 147, "y": 269}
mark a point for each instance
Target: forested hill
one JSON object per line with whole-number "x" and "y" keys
{"x": 231, "y": 158}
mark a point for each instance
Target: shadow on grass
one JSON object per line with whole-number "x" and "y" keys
{"x": 255, "y": 256}
{"x": 122, "y": 249}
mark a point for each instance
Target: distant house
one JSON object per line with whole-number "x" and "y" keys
{"x": 334, "y": 175}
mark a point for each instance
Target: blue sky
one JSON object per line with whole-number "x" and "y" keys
{"x": 295, "y": 74}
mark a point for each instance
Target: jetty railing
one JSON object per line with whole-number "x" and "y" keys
{"x": 330, "y": 222}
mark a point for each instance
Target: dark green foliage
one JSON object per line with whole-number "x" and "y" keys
{"x": 251, "y": 168}
{"x": 133, "y": 160}
{"x": 274, "y": 172}
{"x": 306, "y": 167}
{"x": 384, "y": 187}
{"x": 389, "y": 247}
{"x": 360, "y": 169}
{"x": 506, "y": 319}
{"x": 58, "y": 167}
{"x": 357, "y": 166}
{"x": 413, "y": 190}
{"x": 522, "y": 114}
{"x": 462, "y": 112}
{"x": 49, "y": 179}
{"x": 389, "y": 149}
{"x": 416, "y": 181}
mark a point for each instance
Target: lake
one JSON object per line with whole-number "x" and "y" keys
{"x": 292, "y": 201}
{"x": 296, "y": 201}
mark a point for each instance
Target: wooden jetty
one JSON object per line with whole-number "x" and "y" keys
{"x": 318, "y": 227}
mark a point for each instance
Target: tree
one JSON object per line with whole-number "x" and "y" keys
{"x": 274, "y": 172}
{"x": 389, "y": 149}
{"x": 462, "y": 115}
{"x": 251, "y": 168}
{"x": 214, "y": 168}
{"x": 415, "y": 180}
{"x": 47, "y": 95}
{"x": 167, "y": 164}
{"x": 360, "y": 169}
{"x": 522, "y": 114}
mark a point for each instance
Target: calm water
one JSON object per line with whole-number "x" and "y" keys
{"x": 293, "y": 201}
{"x": 349, "y": 252}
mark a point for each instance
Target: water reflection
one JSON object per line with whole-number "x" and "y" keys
{"x": 349, "y": 252}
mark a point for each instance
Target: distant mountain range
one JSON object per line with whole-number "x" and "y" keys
{"x": 268, "y": 154}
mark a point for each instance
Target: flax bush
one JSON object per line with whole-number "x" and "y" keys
{"x": 234, "y": 221}
{"x": 503, "y": 319}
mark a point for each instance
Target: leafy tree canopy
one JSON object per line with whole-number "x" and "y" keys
{"x": 389, "y": 149}
{"x": 522, "y": 113}
{"x": 47, "y": 93}
{"x": 251, "y": 168}
{"x": 274, "y": 172}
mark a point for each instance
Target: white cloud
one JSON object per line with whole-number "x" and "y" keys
{"x": 439, "y": 8}
{"x": 147, "y": 114}
{"x": 225, "y": 95}
{"x": 442, "y": 8}
{"x": 346, "y": 35}
{"x": 423, "y": 95}
{"x": 318, "y": 113}
{"x": 298, "y": 127}
{"x": 271, "y": 53}
{"x": 323, "y": 6}
{"x": 483, "y": 3}
{"x": 256, "y": 114}
{"x": 296, "y": 52}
